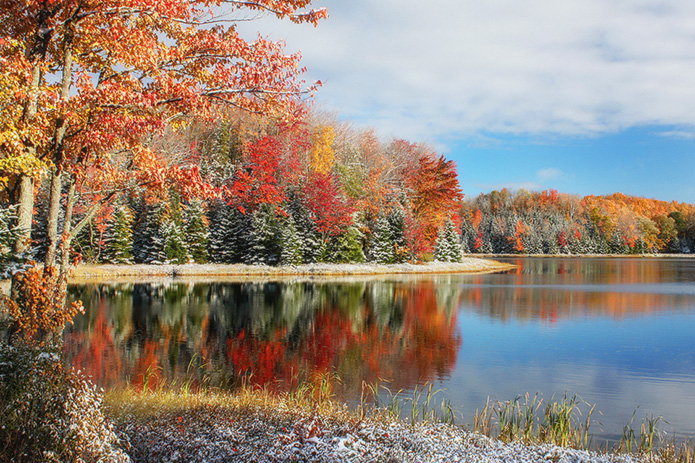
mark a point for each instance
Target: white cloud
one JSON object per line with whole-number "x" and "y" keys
{"x": 550, "y": 173}
{"x": 680, "y": 134}
{"x": 449, "y": 68}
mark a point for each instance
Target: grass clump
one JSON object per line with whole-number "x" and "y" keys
{"x": 560, "y": 423}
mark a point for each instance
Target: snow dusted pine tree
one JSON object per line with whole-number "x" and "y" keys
{"x": 264, "y": 237}
{"x": 228, "y": 234}
{"x": 119, "y": 236}
{"x": 396, "y": 219}
{"x": 8, "y": 235}
{"x": 347, "y": 248}
{"x": 448, "y": 246}
{"x": 291, "y": 243}
{"x": 196, "y": 232}
{"x": 381, "y": 249}
{"x": 312, "y": 245}
{"x": 174, "y": 250}
{"x": 148, "y": 240}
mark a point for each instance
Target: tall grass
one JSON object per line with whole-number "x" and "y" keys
{"x": 560, "y": 423}
{"x": 423, "y": 404}
{"x": 530, "y": 419}
{"x": 311, "y": 396}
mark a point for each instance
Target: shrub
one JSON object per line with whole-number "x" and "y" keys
{"x": 38, "y": 309}
{"x": 48, "y": 413}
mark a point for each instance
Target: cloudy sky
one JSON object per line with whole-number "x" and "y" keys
{"x": 584, "y": 96}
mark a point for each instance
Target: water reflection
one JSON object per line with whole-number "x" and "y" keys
{"x": 619, "y": 332}
{"x": 274, "y": 333}
{"x": 557, "y": 289}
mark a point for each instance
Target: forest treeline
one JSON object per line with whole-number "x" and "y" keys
{"x": 314, "y": 190}
{"x": 320, "y": 190}
{"x": 549, "y": 222}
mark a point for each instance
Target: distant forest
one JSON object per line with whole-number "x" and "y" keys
{"x": 319, "y": 190}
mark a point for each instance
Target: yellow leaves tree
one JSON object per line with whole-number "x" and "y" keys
{"x": 322, "y": 155}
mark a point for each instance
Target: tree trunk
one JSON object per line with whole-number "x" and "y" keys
{"x": 58, "y": 156}
{"x": 66, "y": 245}
{"x": 53, "y": 215}
{"x": 24, "y": 214}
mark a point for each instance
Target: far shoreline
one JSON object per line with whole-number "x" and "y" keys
{"x": 582, "y": 256}
{"x": 469, "y": 265}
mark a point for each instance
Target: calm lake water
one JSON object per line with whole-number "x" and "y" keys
{"x": 618, "y": 332}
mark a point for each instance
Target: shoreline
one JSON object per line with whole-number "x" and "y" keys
{"x": 243, "y": 272}
{"x": 257, "y": 426}
{"x": 582, "y": 256}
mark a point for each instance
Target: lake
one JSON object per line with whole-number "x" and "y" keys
{"x": 619, "y": 332}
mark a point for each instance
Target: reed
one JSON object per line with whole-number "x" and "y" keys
{"x": 519, "y": 419}
{"x": 421, "y": 404}
{"x": 673, "y": 452}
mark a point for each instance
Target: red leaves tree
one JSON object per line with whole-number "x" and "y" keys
{"x": 258, "y": 181}
{"x": 329, "y": 208}
{"x": 94, "y": 79}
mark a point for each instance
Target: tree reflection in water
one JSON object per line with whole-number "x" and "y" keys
{"x": 274, "y": 334}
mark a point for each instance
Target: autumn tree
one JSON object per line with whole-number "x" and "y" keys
{"x": 435, "y": 192}
{"x": 88, "y": 81}
{"x": 322, "y": 154}
{"x": 329, "y": 209}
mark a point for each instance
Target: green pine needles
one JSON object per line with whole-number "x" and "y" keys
{"x": 448, "y": 245}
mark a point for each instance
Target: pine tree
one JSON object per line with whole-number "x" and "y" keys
{"x": 174, "y": 250}
{"x": 381, "y": 249}
{"x": 196, "y": 233}
{"x": 312, "y": 244}
{"x": 148, "y": 237}
{"x": 8, "y": 235}
{"x": 264, "y": 237}
{"x": 448, "y": 247}
{"x": 119, "y": 236}
{"x": 220, "y": 219}
{"x": 396, "y": 219}
{"x": 291, "y": 243}
{"x": 347, "y": 248}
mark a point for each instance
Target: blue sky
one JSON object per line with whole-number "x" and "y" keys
{"x": 584, "y": 96}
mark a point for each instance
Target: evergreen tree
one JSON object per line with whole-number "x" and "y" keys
{"x": 8, "y": 235}
{"x": 396, "y": 219}
{"x": 240, "y": 236}
{"x": 312, "y": 245}
{"x": 148, "y": 238}
{"x": 174, "y": 250}
{"x": 264, "y": 237}
{"x": 347, "y": 248}
{"x": 119, "y": 236}
{"x": 196, "y": 233}
{"x": 219, "y": 217}
{"x": 448, "y": 247}
{"x": 381, "y": 249}
{"x": 291, "y": 243}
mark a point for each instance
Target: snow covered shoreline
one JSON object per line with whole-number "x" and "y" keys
{"x": 468, "y": 266}
{"x": 220, "y": 434}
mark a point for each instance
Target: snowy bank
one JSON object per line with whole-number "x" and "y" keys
{"x": 221, "y": 435}
{"x": 241, "y": 271}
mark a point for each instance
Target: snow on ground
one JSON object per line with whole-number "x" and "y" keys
{"x": 469, "y": 265}
{"x": 217, "y": 435}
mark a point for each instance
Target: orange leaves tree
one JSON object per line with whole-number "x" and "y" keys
{"x": 93, "y": 78}
{"x": 87, "y": 83}
{"x": 435, "y": 192}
